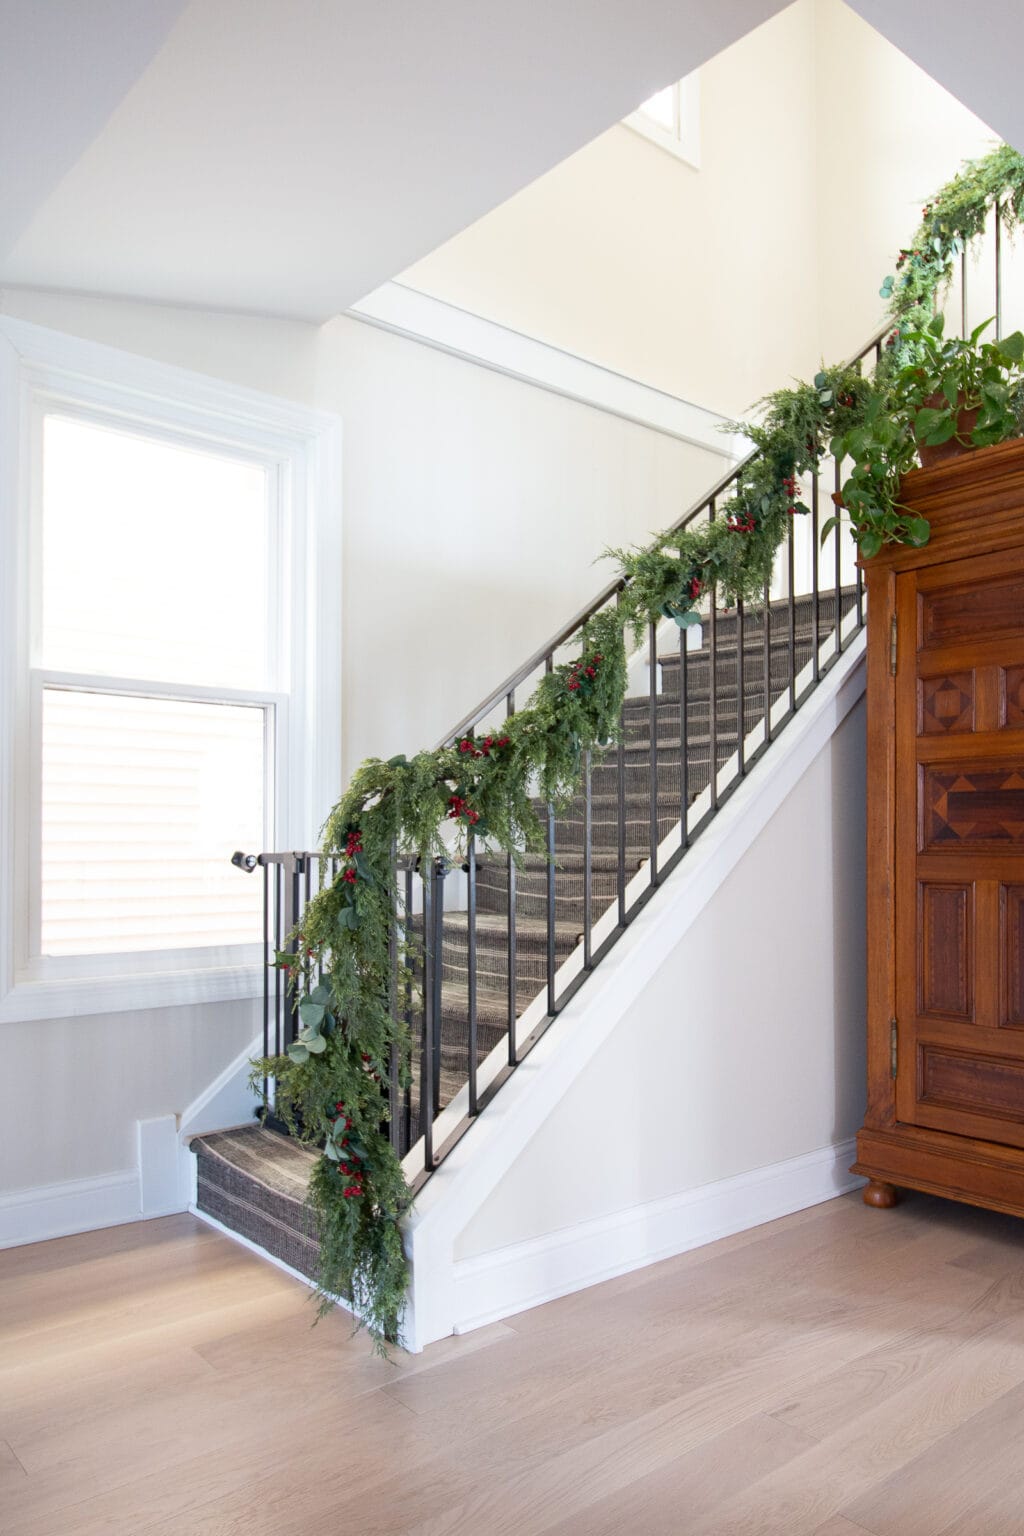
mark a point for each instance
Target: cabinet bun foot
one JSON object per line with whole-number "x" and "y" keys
{"x": 881, "y": 1195}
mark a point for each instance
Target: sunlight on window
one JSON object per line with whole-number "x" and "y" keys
{"x": 661, "y": 108}
{"x": 154, "y": 558}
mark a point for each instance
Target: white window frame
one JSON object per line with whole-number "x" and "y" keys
{"x": 683, "y": 139}
{"x": 43, "y": 370}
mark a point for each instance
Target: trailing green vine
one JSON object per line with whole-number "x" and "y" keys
{"x": 330, "y": 1086}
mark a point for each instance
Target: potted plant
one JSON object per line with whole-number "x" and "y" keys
{"x": 960, "y": 393}
{"x": 952, "y": 395}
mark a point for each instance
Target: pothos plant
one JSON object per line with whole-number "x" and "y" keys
{"x": 330, "y": 1084}
{"x": 949, "y": 390}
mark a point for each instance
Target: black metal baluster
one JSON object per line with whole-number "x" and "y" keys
{"x": 409, "y": 1011}
{"x": 963, "y": 291}
{"x": 550, "y": 910}
{"x": 437, "y": 875}
{"x": 471, "y": 968}
{"x": 513, "y": 1007}
{"x": 791, "y": 606}
{"x": 280, "y": 980}
{"x": 266, "y": 971}
{"x": 815, "y": 603}
{"x": 429, "y": 884}
{"x": 838, "y": 551}
{"x": 713, "y": 684}
{"x": 684, "y": 742}
{"x": 652, "y": 748}
{"x": 999, "y": 271}
{"x": 620, "y": 874}
{"x": 740, "y": 684}
{"x": 394, "y": 1115}
{"x": 588, "y": 858}
{"x": 767, "y": 642}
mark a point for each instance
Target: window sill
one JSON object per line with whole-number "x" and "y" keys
{"x": 29, "y": 1001}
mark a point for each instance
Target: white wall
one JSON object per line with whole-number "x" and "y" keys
{"x": 819, "y": 142}
{"x": 473, "y": 509}
{"x": 746, "y": 1049}
{"x": 898, "y": 137}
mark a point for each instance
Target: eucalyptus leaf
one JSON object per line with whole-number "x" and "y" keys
{"x": 297, "y": 1051}
{"x": 316, "y": 1045}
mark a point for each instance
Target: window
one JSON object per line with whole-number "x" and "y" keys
{"x": 671, "y": 119}
{"x": 171, "y": 561}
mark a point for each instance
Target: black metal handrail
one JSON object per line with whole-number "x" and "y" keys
{"x": 500, "y": 947}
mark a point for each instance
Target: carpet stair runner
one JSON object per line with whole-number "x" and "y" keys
{"x": 252, "y": 1179}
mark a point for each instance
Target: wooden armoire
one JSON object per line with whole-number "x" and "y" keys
{"x": 946, "y": 842}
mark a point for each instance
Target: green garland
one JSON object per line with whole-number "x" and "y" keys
{"x": 330, "y": 1084}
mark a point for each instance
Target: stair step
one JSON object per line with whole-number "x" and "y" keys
{"x": 255, "y": 1182}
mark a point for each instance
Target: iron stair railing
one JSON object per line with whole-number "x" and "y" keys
{"x": 721, "y": 709}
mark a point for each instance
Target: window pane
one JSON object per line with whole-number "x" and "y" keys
{"x": 661, "y": 108}
{"x": 154, "y": 559}
{"x": 144, "y": 801}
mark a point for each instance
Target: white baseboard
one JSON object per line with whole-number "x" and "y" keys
{"x": 78, "y": 1205}
{"x": 496, "y": 1285}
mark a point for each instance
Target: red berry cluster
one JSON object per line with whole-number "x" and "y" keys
{"x": 892, "y": 338}
{"x": 789, "y": 485}
{"x": 583, "y": 669}
{"x": 349, "y": 1168}
{"x": 926, "y": 211}
{"x": 461, "y": 810}
{"x": 353, "y": 845}
{"x": 484, "y": 748}
{"x": 744, "y": 524}
{"x": 904, "y": 256}
{"x": 695, "y": 588}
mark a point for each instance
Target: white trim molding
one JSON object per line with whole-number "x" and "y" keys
{"x": 419, "y": 317}
{"x": 42, "y": 369}
{"x": 494, "y": 1285}
{"x": 77, "y": 1205}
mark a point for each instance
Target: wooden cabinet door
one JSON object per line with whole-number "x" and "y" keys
{"x": 959, "y": 843}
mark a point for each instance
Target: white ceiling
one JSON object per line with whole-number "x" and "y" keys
{"x": 288, "y": 156}
{"x": 973, "y": 50}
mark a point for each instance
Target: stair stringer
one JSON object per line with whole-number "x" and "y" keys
{"x": 459, "y": 1188}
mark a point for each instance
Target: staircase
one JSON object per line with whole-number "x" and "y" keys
{"x": 702, "y": 705}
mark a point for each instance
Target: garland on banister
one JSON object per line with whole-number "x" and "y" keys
{"x": 330, "y": 1085}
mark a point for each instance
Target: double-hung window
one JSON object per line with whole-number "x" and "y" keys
{"x": 171, "y": 672}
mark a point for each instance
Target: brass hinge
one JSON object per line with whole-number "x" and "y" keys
{"x": 894, "y": 1046}
{"x": 892, "y": 645}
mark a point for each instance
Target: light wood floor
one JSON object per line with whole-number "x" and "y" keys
{"x": 838, "y": 1372}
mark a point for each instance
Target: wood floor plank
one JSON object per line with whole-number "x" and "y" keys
{"x": 840, "y": 1526}
{"x": 838, "y": 1399}
{"x": 841, "y": 1373}
{"x": 952, "y": 1477}
{"x": 881, "y": 1441}
{"x": 691, "y": 1485}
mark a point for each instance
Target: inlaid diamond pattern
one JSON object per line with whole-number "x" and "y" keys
{"x": 947, "y": 704}
{"x": 974, "y": 806}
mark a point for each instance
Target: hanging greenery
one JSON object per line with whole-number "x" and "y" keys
{"x": 330, "y": 1085}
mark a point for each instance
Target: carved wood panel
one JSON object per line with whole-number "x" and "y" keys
{"x": 971, "y": 806}
{"x": 980, "y": 611}
{"x": 1011, "y": 954}
{"x": 1012, "y": 691}
{"x": 988, "y": 1085}
{"x": 945, "y": 987}
{"x": 945, "y": 704}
